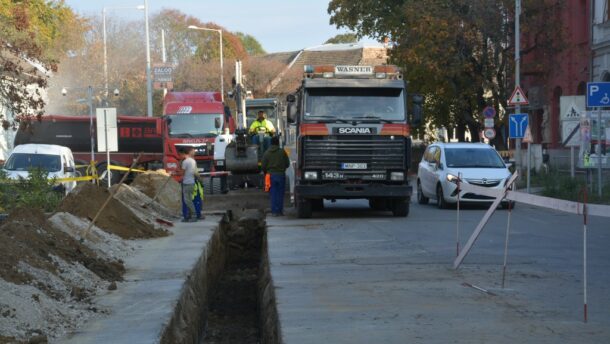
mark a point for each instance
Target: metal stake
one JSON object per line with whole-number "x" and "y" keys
{"x": 510, "y": 210}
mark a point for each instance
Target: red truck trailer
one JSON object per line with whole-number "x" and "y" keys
{"x": 189, "y": 119}
{"x": 136, "y": 135}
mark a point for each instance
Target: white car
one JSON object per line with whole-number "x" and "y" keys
{"x": 56, "y": 160}
{"x": 475, "y": 163}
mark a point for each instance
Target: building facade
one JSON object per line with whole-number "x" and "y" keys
{"x": 566, "y": 72}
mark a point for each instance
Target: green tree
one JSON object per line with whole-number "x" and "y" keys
{"x": 33, "y": 36}
{"x": 459, "y": 53}
{"x": 251, "y": 44}
{"x": 343, "y": 38}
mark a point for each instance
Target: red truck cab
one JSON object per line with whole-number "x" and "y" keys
{"x": 193, "y": 119}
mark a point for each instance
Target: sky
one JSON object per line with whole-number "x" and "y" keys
{"x": 279, "y": 25}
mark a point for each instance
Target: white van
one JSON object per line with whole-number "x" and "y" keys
{"x": 56, "y": 160}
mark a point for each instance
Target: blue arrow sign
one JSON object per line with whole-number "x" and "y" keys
{"x": 517, "y": 123}
{"x": 598, "y": 94}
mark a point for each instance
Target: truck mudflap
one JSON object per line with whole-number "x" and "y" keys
{"x": 347, "y": 191}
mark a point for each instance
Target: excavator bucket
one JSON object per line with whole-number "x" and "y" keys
{"x": 239, "y": 161}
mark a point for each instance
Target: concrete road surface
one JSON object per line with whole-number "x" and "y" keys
{"x": 353, "y": 275}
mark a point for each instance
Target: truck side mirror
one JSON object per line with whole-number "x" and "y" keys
{"x": 68, "y": 169}
{"x": 217, "y": 123}
{"x": 291, "y": 112}
{"x": 417, "y": 101}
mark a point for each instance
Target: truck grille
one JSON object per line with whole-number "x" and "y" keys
{"x": 379, "y": 153}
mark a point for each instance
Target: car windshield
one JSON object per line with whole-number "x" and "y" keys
{"x": 28, "y": 161}
{"x": 355, "y": 104}
{"x": 252, "y": 114}
{"x": 195, "y": 125}
{"x": 473, "y": 158}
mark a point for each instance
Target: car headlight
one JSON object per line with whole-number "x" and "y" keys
{"x": 172, "y": 165}
{"x": 451, "y": 178}
{"x": 311, "y": 175}
{"x": 397, "y": 176}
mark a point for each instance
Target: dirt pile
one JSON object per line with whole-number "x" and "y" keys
{"x": 85, "y": 201}
{"x": 107, "y": 246}
{"x": 150, "y": 183}
{"x": 47, "y": 277}
{"x": 142, "y": 205}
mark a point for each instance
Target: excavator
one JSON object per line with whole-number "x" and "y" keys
{"x": 242, "y": 157}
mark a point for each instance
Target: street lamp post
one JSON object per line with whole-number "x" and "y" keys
{"x": 104, "y": 10}
{"x": 222, "y": 84}
{"x": 148, "y": 77}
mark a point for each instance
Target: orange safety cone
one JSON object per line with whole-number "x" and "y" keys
{"x": 267, "y": 182}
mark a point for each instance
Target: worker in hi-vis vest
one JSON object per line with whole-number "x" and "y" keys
{"x": 262, "y": 126}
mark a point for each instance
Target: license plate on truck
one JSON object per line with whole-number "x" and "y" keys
{"x": 353, "y": 166}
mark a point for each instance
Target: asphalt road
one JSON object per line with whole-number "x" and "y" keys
{"x": 353, "y": 275}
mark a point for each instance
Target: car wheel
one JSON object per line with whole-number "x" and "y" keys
{"x": 421, "y": 199}
{"x": 506, "y": 204}
{"x": 440, "y": 199}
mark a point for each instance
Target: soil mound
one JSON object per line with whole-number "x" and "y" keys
{"x": 85, "y": 201}
{"x": 107, "y": 246}
{"x": 26, "y": 237}
{"x": 142, "y": 205}
{"x": 151, "y": 182}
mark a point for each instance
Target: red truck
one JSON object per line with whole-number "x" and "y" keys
{"x": 194, "y": 119}
{"x": 189, "y": 119}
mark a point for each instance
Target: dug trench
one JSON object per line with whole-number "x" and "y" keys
{"x": 229, "y": 296}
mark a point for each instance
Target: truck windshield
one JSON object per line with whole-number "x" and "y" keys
{"x": 28, "y": 161}
{"x": 473, "y": 158}
{"x": 355, "y": 103}
{"x": 195, "y": 125}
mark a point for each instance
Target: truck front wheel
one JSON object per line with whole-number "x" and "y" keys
{"x": 304, "y": 208}
{"x": 400, "y": 207}
{"x": 378, "y": 204}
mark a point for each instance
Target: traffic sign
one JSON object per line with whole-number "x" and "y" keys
{"x": 518, "y": 97}
{"x": 489, "y": 133}
{"x": 162, "y": 73}
{"x": 527, "y": 138}
{"x": 489, "y": 112}
{"x": 488, "y": 122}
{"x": 598, "y": 94}
{"x": 517, "y": 124}
{"x": 106, "y": 124}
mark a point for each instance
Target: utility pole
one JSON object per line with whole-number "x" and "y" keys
{"x": 517, "y": 78}
{"x": 164, "y": 57}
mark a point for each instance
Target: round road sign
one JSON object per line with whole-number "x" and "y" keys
{"x": 489, "y": 112}
{"x": 489, "y": 133}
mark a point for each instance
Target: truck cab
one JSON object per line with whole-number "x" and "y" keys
{"x": 353, "y": 137}
{"x": 193, "y": 119}
{"x": 272, "y": 108}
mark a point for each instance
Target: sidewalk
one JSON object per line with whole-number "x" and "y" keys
{"x": 143, "y": 305}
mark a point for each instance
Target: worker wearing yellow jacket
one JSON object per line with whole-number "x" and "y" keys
{"x": 262, "y": 125}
